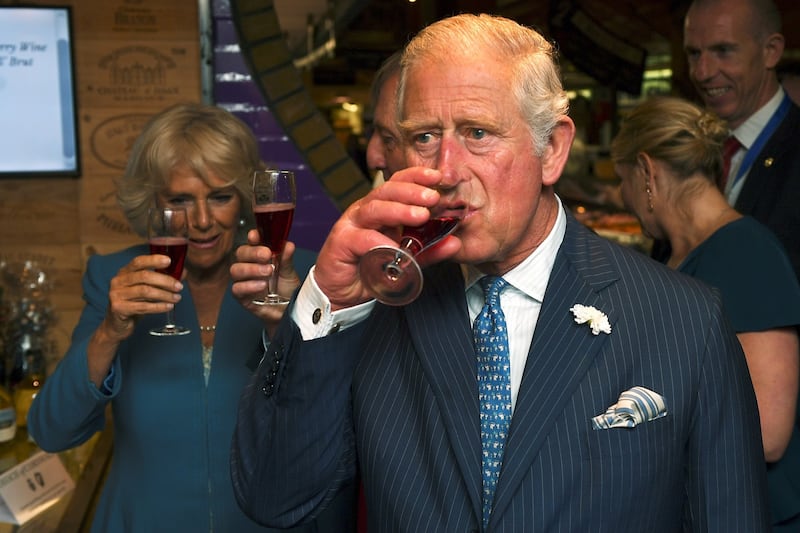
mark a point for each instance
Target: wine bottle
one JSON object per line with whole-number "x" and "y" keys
{"x": 26, "y": 389}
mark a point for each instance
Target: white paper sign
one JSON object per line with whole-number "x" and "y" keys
{"x": 32, "y": 486}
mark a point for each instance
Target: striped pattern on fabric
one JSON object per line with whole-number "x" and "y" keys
{"x": 635, "y": 406}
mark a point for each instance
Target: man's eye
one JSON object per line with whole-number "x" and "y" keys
{"x": 423, "y": 138}
{"x": 478, "y": 133}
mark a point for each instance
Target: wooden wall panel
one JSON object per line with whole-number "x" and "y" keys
{"x": 38, "y": 211}
{"x": 133, "y": 58}
{"x": 136, "y": 74}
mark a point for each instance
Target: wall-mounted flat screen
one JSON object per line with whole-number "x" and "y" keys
{"x": 38, "y": 131}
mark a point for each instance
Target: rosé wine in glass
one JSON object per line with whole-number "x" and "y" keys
{"x": 274, "y": 201}
{"x": 173, "y": 247}
{"x": 168, "y": 234}
{"x": 391, "y": 274}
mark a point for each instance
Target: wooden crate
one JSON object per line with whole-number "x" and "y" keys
{"x": 136, "y": 75}
{"x": 101, "y": 220}
{"x": 107, "y": 135}
{"x": 38, "y": 211}
{"x": 125, "y": 20}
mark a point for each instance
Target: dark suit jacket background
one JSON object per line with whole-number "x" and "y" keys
{"x": 771, "y": 193}
{"x": 398, "y": 396}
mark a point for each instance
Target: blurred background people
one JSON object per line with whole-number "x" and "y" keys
{"x": 384, "y": 148}
{"x": 733, "y": 48}
{"x": 173, "y": 398}
{"x": 667, "y": 153}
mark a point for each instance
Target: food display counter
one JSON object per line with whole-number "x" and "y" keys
{"x": 86, "y": 465}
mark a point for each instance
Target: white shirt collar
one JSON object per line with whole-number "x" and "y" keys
{"x": 751, "y": 128}
{"x": 533, "y": 273}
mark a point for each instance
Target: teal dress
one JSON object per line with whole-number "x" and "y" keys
{"x": 760, "y": 291}
{"x": 172, "y": 430}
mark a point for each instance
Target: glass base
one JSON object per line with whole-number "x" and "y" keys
{"x": 271, "y": 299}
{"x": 391, "y": 275}
{"x": 169, "y": 331}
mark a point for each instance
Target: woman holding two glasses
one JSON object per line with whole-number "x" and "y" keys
{"x": 173, "y": 396}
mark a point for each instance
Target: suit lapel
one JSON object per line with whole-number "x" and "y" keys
{"x": 442, "y": 336}
{"x": 764, "y": 179}
{"x": 560, "y": 354}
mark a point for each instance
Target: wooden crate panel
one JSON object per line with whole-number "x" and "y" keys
{"x": 136, "y": 74}
{"x": 100, "y": 217}
{"x": 124, "y": 20}
{"x": 38, "y": 211}
{"x": 107, "y": 135}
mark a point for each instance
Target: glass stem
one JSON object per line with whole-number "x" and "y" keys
{"x": 273, "y": 278}
{"x": 170, "y": 319}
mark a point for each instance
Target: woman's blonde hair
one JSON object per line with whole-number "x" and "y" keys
{"x": 202, "y": 138}
{"x": 676, "y": 132}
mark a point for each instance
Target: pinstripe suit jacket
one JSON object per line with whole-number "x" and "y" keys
{"x": 397, "y": 396}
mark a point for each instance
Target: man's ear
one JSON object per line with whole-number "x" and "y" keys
{"x": 557, "y": 151}
{"x": 773, "y": 49}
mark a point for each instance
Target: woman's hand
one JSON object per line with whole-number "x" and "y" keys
{"x": 251, "y": 271}
{"x": 136, "y": 290}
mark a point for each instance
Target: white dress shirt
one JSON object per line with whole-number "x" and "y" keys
{"x": 521, "y": 302}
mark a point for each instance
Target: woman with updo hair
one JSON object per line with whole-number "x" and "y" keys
{"x": 668, "y": 154}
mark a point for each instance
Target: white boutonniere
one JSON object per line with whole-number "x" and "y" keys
{"x": 597, "y": 320}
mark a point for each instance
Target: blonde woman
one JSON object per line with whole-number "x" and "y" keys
{"x": 173, "y": 398}
{"x": 668, "y": 154}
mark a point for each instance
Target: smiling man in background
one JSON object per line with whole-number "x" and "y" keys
{"x": 733, "y": 48}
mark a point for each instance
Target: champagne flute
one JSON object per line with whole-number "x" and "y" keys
{"x": 391, "y": 274}
{"x": 168, "y": 234}
{"x": 274, "y": 200}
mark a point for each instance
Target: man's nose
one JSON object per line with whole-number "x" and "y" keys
{"x": 376, "y": 153}
{"x": 703, "y": 67}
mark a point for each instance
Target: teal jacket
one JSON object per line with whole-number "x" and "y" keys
{"x": 172, "y": 433}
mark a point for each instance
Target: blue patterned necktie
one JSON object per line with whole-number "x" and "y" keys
{"x": 494, "y": 385}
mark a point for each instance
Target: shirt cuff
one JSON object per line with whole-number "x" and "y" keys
{"x": 313, "y": 316}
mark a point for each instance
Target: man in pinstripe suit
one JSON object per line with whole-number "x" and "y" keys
{"x": 349, "y": 384}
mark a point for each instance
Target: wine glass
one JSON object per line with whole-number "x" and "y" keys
{"x": 168, "y": 234}
{"x": 391, "y": 274}
{"x": 274, "y": 200}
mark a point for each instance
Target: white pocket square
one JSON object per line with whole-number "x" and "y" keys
{"x": 634, "y": 406}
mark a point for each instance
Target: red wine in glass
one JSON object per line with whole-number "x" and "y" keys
{"x": 168, "y": 234}
{"x": 434, "y": 230}
{"x": 391, "y": 274}
{"x": 274, "y": 222}
{"x": 175, "y": 248}
{"x": 274, "y": 200}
